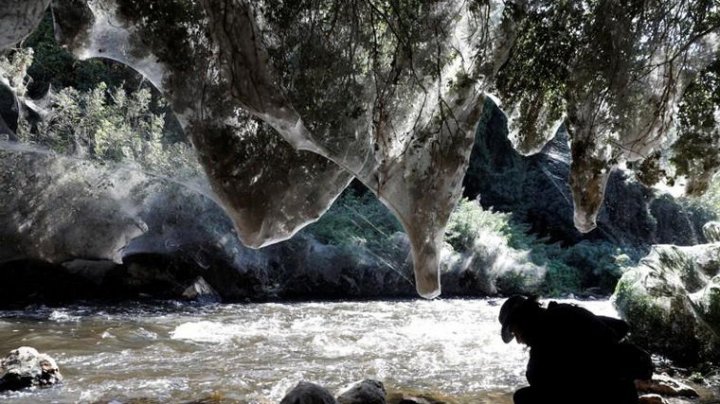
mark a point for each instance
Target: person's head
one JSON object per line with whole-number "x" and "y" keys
{"x": 519, "y": 317}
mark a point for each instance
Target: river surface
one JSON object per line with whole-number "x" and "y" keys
{"x": 254, "y": 353}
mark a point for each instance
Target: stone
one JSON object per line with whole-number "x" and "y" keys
{"x": 666, "y": 386}
{"x": 25, "y": 367}
{"x": 412, "y": 396}
{"x": 201, "y": 291}
{"x": 671, "y": 300}
{"x": 308, "y": 393}
{"x": 651, "y": 399}
{"x": 365, "y": 392}
{"x": 711, "y": 230}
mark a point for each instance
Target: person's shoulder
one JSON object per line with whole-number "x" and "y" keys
{"x": 570, "y": 318}
{"x": 582, "y": 320}
{"x": 567, "y": 309}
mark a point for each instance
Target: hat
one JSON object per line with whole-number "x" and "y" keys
{"x": 509, "y": 313}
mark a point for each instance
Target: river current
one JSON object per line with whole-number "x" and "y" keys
{"x": 254, "y": 353}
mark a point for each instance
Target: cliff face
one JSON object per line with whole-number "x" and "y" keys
{"x": 286, "y": 101}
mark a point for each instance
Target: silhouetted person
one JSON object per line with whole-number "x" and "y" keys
{"x": 575, "y": 356}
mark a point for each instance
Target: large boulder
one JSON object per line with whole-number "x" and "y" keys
{"x": 26, "y": 367}
{"x": 672, "y": 301}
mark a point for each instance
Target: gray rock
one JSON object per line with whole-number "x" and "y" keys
{"x": 59, "y": 209}
{"x": 365, "y": 392}
{"x": 652, "y": 399}
{"x": 666, "y": 386}
{"x": 671, "y": 301}
{"x": 308, "y": 393}
{"x": 201, "y": 291}
{"x": 26, "y": 367}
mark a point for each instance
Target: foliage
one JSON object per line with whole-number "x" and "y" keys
{"x": 82, "y": 115}
{"x": 57, "y": 68}
{"x": 712, "y": 197}
{"x": 356, "y": 218}
{"x": 512, "y": 283}
{"x": 572, "y": 269}
{"x": 536, "y": 76}
{"x": 572, "y": 56}
{"x": 13, "y": 69}
{"x": 108, "y": 125}
{"x": 53, "y": 67}
{"x": 469, "y": 219}
{"x": 696, "y": 150}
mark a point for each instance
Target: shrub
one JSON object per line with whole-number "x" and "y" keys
{"x": 109, "y": 125}
{"x": 469, "y": 219}
{"x": 356, "y": 218}
{"x": 588, "y": 264}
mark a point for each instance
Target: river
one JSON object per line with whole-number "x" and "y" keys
{"x": 253, "y": 353}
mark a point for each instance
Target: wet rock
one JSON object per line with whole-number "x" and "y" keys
{"x": 666, "y": 386}
{"x": 418, "y": 397}
{"x": 652, "y": 399}
{"x": 26, "y": 367}
{"x": 711, "y": 230}
{"x": 671, "y": 301}
{"x": 365, "y": 392}
{"x": 201, "y": 291}
{"x": 308, "y": 393}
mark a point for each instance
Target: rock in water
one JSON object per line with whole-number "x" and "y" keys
{"x": 365, "y": 392}
{"x": 308, "y": 393}
{"x": 201, "y": 291}
{"x": 26, "y": 367}
{"x": 666, "y": 386}
{"x": 652, "y": 399}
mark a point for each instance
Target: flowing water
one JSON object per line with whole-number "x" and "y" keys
{"x": 254, "y": 353}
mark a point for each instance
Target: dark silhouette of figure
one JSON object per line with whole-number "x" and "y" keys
{"x": 575, "y": 356}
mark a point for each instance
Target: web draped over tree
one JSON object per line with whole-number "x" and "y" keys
{"x": 287, "y": 101}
